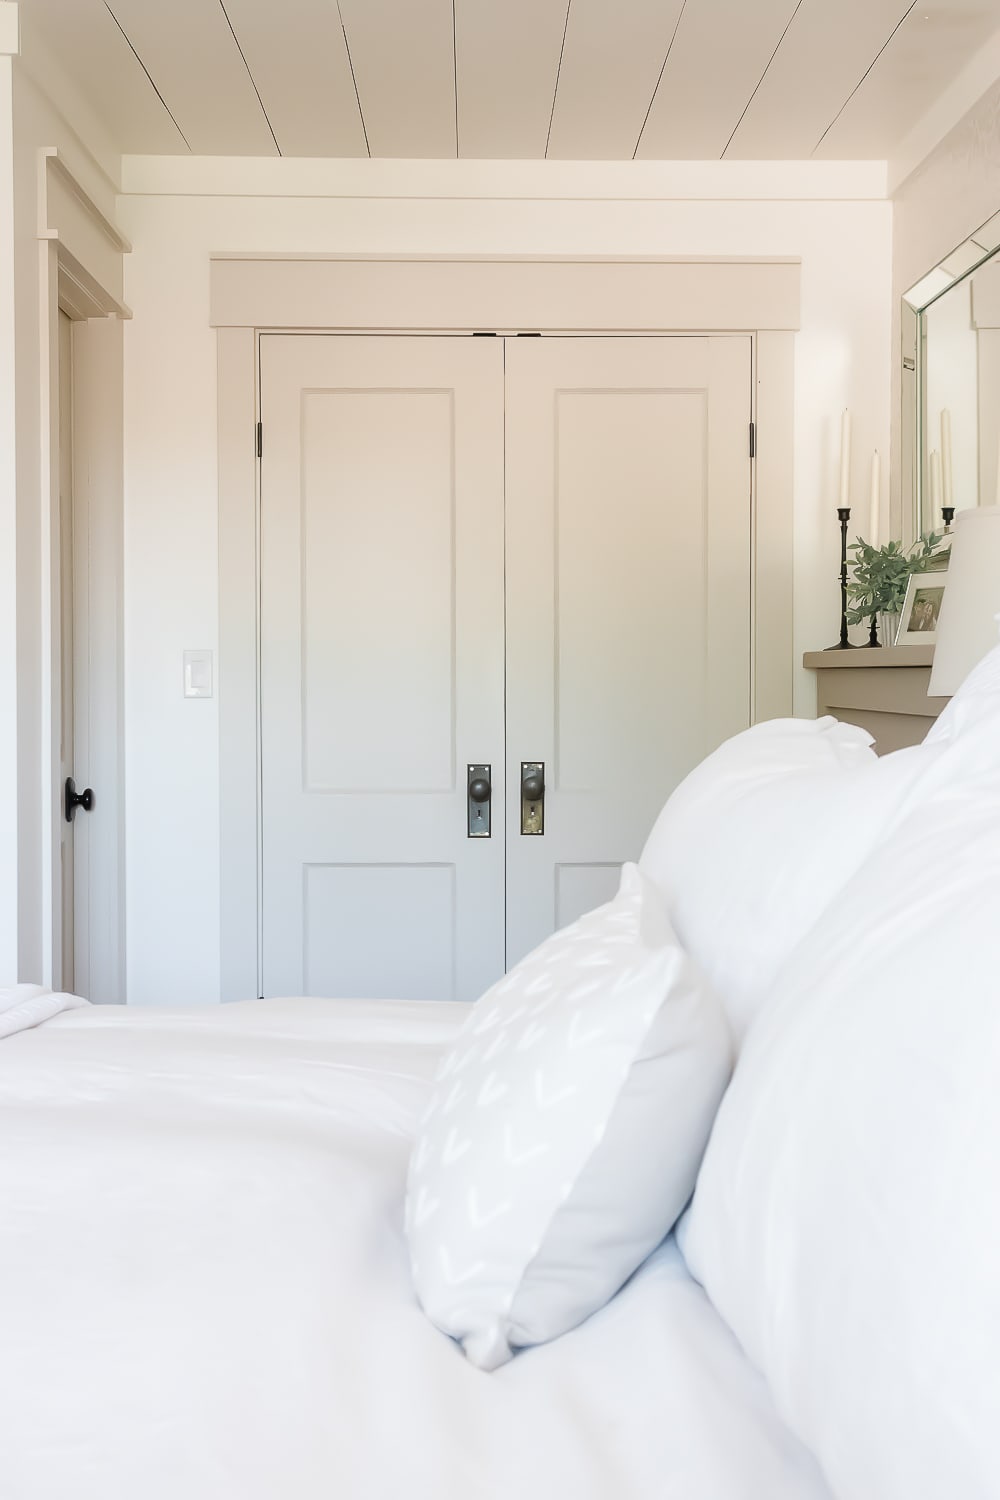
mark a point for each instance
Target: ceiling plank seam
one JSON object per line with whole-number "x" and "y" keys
{"x": 555, "y": 87}
{"x": 659, "y": 78}
{"x": 760, "y": 80}
{"x": 864, "y": 75}
{"x": 454, "y": 62}
{"x": 354, "y": 79}
{"x": 148, "y": 74}
{"x": 253, "y": 81}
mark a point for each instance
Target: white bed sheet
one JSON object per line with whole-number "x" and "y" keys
{"x": 204, "y": 1291}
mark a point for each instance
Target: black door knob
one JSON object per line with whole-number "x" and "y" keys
{"x": 479, "y": 789}
{"x": 532, "y": 786}
{"x": 75, "y": 799}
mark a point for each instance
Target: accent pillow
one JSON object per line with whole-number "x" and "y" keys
{"x": 754, "y": 845}
{"x": 847, "y": 1215}
{"x": 566, "y": 1128}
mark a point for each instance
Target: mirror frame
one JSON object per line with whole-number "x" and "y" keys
{"x": 956, "y": 267}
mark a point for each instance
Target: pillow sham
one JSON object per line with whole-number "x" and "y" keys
{"x": 565, "y": 1130}
{"x": 754, "y": 845}
{"x": 846, "y": 1218}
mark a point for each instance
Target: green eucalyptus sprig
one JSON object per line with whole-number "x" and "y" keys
{"x": 880, "y": 574}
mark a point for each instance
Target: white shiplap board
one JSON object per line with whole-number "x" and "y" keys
{"x": 508, "y": 62}
{"x": 84, "y": 38}
{"x": 930, "y": 47}
{"x": 299, "y": 62}
{"x": 823, "y": 57}
{"x": 706, "y": 86}
{"x": 404, "y": 65}
{"x": 189, "y": 50}
{"x": 768, "y": 80}
{"x": 611, "y": 63}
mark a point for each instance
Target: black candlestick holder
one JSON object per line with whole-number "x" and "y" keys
{"x": 873, "y": 639}
{"x": 843, "y": 515}
{"x": 947, "y": 516}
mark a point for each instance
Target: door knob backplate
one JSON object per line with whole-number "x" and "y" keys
{"x": 533, "y": 796}
{"x": 479, "y": 799}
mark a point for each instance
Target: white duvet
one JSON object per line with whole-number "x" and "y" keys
{"x": 204, "y": 1291}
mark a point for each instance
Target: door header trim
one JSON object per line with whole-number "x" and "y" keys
{"x": 449, "y": 295}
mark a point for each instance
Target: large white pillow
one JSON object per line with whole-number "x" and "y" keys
{"x": 846, "y": 1221}
{"x": 754, "y": 845}
{"x": 565, "y": 1132}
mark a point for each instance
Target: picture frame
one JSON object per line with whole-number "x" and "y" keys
{"x": 918, "y": 622}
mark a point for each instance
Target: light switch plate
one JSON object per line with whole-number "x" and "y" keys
{"x": 197, "y": 674}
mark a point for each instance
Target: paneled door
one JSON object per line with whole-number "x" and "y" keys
{"x": 628, "y": 598}
{"x": 400, "y": 478}
{"x": 382, "y": 667}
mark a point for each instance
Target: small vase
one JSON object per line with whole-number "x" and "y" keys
{"x": 887, "y": 627}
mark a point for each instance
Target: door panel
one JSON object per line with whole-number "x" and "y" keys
{"x": 381, "y": 664}
{"x": 67, "y": 842}
{"x": 628, "y": 596}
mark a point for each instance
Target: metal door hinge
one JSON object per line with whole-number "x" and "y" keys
{"x": 260, "y": 438}
{"x": 753, "y": 440}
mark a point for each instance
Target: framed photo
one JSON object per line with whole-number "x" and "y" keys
{"x": 918, "y": 622}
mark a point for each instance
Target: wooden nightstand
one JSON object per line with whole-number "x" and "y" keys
{"x": 884, "y": 691}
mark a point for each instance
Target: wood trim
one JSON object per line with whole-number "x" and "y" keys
{"x": 276, "y": 297}
{"x": 866, "y": 660}
{"x": 54, "y": 164}
{"x": 237, "y": 676}
{"x": 10, "y": 41}
{"x": 774, "y": 528}
{"x": 98, "y": 494}
{"x": 85, "y": 283}
{"x": 81, "y": 295}
{"x": 471, "y": 180}
{"x": 504, "y": 295}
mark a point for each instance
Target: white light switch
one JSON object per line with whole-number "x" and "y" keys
{"x": 197, "y": 674}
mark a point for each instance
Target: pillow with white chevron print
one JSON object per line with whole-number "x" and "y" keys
{"x": 565, "y": 1130}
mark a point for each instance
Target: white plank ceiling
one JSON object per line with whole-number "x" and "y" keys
{"x": 508, "y": 79}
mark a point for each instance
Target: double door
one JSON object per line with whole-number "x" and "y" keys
{"x": 521, "y": 562}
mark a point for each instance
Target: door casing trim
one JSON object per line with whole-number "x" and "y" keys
{"x": 252, "y": 296}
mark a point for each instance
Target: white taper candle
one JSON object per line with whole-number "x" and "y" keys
{"x": 947, "y": 476}
{"x": 845, "y": 460}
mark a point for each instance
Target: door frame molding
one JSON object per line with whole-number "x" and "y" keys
{"x": 251, "y": 295}
{"x": 81, "y": 272}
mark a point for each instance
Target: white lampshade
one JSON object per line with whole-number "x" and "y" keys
{"x": 967, "y": 629}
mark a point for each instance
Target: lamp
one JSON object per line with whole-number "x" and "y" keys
{"x": 967, "y": 629}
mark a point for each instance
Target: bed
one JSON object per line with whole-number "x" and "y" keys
{"x": 212, "y": 1289}
{"x": 207, "y": 1292}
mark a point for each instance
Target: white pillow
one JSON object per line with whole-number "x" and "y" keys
{"x": 753, "y": 846}
{"x": 564, "y": 1136}
{"x": 846, "y": 1221}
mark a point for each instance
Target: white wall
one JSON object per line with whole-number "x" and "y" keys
{"x": 171, "y": 500}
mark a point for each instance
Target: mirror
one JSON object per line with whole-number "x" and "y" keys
{"x": 951, "y": 382}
